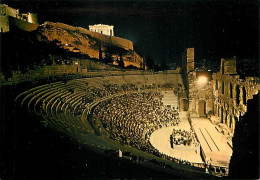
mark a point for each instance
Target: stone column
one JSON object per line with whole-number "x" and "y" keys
{"x": 224, "y": 116}
{"x": 228, "y": 120}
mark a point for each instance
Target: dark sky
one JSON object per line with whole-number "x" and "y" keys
{"x": 163, "y": 28}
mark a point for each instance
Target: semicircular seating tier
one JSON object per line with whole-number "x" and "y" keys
{"x": 108, "y": 112}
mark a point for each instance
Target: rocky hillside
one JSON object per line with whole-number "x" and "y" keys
{"x": 107, "y": 49}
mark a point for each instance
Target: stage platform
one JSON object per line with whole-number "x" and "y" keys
{"x": 214, "y": 144}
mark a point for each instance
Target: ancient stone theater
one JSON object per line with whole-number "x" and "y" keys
{"x": 175, "y": 117}
{"x": 185, "y": 122}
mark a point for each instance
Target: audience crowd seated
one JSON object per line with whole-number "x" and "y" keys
{"x": 131, "y": 118}
{"x": 132, "y": 113}
{"x": 94, "y": 94}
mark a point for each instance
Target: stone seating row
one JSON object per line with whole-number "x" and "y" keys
{"x": 45, "y": 100}
{"x": 67, "y": 103}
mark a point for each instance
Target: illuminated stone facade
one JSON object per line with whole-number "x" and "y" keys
{"x": 223, "y": 98}
{"x": 103, "y": 29}
{"x": 26, "y": 21}
{"x": 74, "y": 68}
{"x": 230, "y": 95}
{"x": 188, "y": 59}
{"x": 200, "y": 95}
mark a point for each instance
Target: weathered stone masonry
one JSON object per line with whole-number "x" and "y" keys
{"x": 224, "y": 97}
{"x": 230, "y": 95}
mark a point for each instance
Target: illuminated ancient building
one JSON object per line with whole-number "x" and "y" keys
{"x": 12, "y": 17}
{"x": 231, "y": 94}
{"x": 103, "y": 29}
{"x": 221, "y": 97}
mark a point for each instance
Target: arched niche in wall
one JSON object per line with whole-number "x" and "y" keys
{"x": 237, "y": 95}
{"x": 244, "y": 95}
{"x": 223, "y": 87}
{"x": 230, "y": 90}
{"x": 222, "y": 115}
{"x": 202, "y": 108}
{"x": 230, "y": 121}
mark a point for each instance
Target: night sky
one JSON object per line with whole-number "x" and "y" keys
{"x": 163, "y": 28}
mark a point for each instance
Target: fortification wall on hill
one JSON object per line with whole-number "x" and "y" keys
{"x": 8, "y": 11}
{"x": 4, "y": 23}
{"x": 87, "y": 42}
{"x": 23, "y": 25}
{"x": 11, "y": 17}
{"x": 117, "y": 41}
{"x": 8, "y": 23}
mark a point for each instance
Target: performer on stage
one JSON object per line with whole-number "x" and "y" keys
{"x": 171, "y": 141}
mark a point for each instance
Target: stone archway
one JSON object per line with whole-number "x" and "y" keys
{"x": 202, "y": 108}
{"x": 215, "y": 109}
{"x": 222, "y": 115}
{"x": 230, "y": 122}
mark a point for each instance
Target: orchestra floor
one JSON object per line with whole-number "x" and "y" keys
{"x": 160, "y": 139}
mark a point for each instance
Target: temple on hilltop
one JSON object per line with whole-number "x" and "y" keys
{"x": 102, "y": 28}
{"x": 103, "y": 45}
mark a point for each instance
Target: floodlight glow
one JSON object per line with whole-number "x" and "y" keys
{"x": 202, "y": 79}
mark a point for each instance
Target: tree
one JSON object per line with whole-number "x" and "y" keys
{"x": 149, "y": 62}
{"x": 156, "y": 67}
{"x": 121, "y": 61}
{"x": 164, "y": 65}
{"x": 108, "y": 55}
{"x": 100, "y": 53}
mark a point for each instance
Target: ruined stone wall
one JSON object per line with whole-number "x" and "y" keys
{"x": 200, "y": 97}
{"x": 47, "y": 71}
{"x": 10, "y": 18}
{"x": 244, "y": 163}
{"x": 190, "y": 59}
{"x": 231, "y": 95}
{"x": 224, "y": 98}
{"x": 21, "y": 24}
{"x": 228, "y": 66}
{"x": 4, "y": 24}
{"x": 57, "y": 71}
{"x": 8, "y": 11}
{"x": 61, "y": 69}
{"x": 32, "y": 18}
